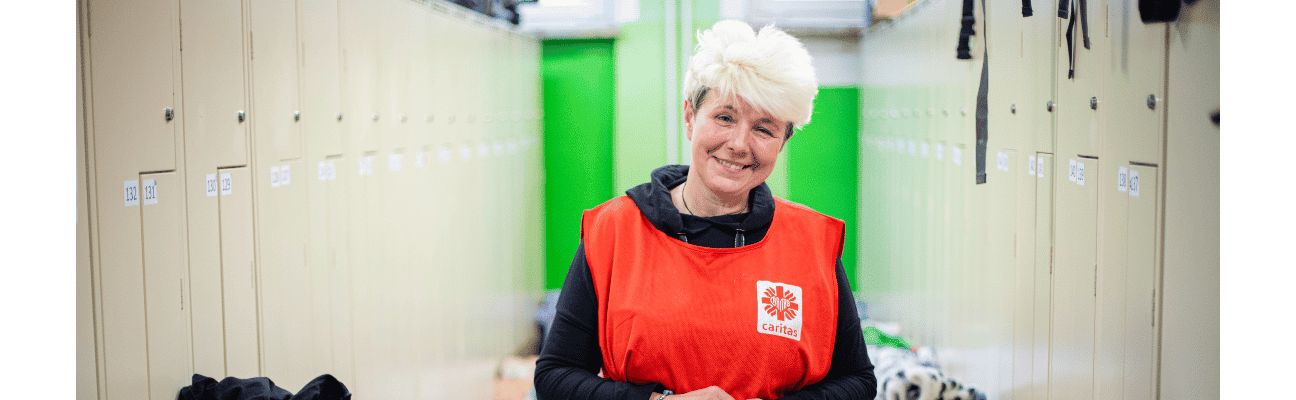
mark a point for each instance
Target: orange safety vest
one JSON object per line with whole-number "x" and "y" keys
{"x": 759, "y": 321}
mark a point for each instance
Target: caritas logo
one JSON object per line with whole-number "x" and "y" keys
{"x": 778, "y": 309}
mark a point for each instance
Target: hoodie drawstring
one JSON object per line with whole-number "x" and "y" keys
{"x": 739, "y": 240}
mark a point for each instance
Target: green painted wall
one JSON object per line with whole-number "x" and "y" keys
{"x": 822, "y": 164}
{"x": 579, "y": 87}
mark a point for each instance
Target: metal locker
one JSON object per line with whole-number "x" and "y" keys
{"x": 1038, "y": 57}
{"x": 1023, "y": 289}
{"x": 364, "y": 235}
{"x": 131, "y": 51}
{"x": 395, "y": 72}
{"x": 238, "y": 274}
{"x": 1071, "y": 344}
{"x": 1110, "y": 307}
{"x": 319, "y": 261}
{"x": 285, "y": 282}
{"x": 996, "y": 275}
{"x": 340, "y": 288}
{"x": 165, "y": 280}
{"x": 1044, "y": 261}
{"x": 1136, "y": 82}
{"x": 1082, "y": 103}
{"x": 207, "y": 309}
{"x": 358, "y": 28}
{"x": 321, "y": 98}
{"x": 274, "y": 68}
{"x": 213, "y": 83}
{"x": 120, "y": 284}
{"x": 1142, "y": 286}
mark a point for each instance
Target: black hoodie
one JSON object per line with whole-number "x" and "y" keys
{"x": 570, "y": 358}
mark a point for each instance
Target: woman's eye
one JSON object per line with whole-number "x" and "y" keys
{"x": 766, "y": 132}
{"x": 725, "y": 118}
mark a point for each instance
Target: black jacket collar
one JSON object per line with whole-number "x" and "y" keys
{"x": 654, "y": 200}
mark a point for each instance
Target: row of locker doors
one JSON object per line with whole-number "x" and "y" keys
{"x": 151, "y": 304}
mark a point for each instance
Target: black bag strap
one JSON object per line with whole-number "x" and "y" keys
{"x": 965, "y": 33}
{"x": 1026, "y": 9}
{"x": 1084, "y": 21}
{"x": 983, "y": 104}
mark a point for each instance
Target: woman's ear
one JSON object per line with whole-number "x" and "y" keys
{"x": 688, "y": 120}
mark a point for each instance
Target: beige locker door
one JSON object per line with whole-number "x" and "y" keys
{"x": 340, "y": 290}
{"x": 394, "y": 72}
{"x": 131, "y": 51}
{"x": 165, "y": 279}
{"x": 284, "y": 280}
{"x": 1111, "y": 308}
{"x": 274, "y": 79}
{"x": 1137, "y": 70}
{"x": 319, "y": 261}
{"x": 1023, "y": 297}
{"x": 358, "y": 22}
{"x": 207, "y": 309}
{"x": 87, "y": 362}
{"x": 1081, "y": 125}
{"x": 214, "y": 90}
{"x": 238, "y": 274}
{"x": 1044, "y": 260}
{"x": 122, "y": 312}
{"x": 364, "y": 235}
{"x": 321, "y": 98}
{"x": 1071, "y": 347}
{"x": 1141, "y": 285}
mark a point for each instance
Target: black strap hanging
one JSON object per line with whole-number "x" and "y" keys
{"x": 966, "y": 32}
{"x": 1063, "y": 7}
{"x": 1070, "y": 33}
{"x": 983, "y": 104}
{"x": 1084, "y": 21}
{"x": 1026, "y": 9}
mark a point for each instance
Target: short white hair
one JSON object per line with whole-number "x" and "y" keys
{"x": 770, "y": 69}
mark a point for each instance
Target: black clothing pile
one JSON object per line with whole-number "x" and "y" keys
{"x": 324, "y": 387}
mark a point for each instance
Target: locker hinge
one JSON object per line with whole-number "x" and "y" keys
{"x": 181, "y": 294}
{"x": 1095, "y": 280}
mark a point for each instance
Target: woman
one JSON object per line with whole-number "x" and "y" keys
{"x": 700, "y": 284}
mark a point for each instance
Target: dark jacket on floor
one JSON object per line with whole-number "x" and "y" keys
{"x": 324, "y": 387}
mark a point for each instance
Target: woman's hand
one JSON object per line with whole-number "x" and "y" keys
{"x": 709, "y": 393}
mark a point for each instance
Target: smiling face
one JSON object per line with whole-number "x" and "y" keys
{"x": 735, "y": 145}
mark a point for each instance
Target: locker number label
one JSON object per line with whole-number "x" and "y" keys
{"x": 1080, "y": 173}
{"x": 226, "y": 184}
{"x": 418, "y": 160}
{"x": 332, "y": 170}
{"x": 1133, "y": 183}
{"x": 498, "y": 148}
{"x": 957, "y": 154}
{"x": 444, "y": 155}
{"x": 274, "y": 176}
{"x": 394, "y": 162}
{"x": 940, "y": 151}
{"x": 1122, "y": 176}
{"x": 1072, "y": 174}
{"x": 1039, "y": 167}
{"x": 131, "y": 190}
{"x": 285, "y": 175}
{"x": 212, "y": 187}
{"x": 149, "y": 191}
{"x": 913, "y": 148}
{"x": 321, "y": 171}
{"x": 1002, "y": 161}
{"x": 922, "y": 149}
{"x": 1030, "y": 165}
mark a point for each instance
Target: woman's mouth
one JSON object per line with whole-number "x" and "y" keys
{"x": 732, "y": 167}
